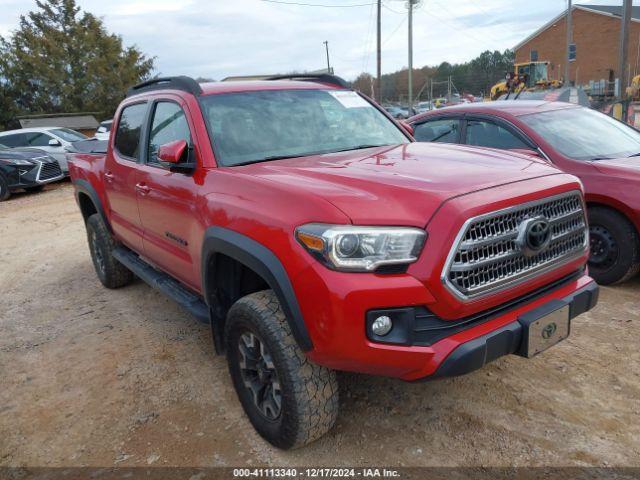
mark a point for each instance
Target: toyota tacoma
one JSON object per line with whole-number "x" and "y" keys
{"x": 305, "y": 225}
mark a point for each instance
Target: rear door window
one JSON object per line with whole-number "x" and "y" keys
{"x": 129, "y": 127}
{"x": 445, "y": 130}
{"x": 485, "y": 133}
{"x": 38, "y": 139}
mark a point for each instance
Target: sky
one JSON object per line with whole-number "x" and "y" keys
{"x": 220, "y": 38}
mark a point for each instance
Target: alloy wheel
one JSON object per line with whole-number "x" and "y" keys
{"x": 97, "y": 253}
{"x": 260, "y": 376}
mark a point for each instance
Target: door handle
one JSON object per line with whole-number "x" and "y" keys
{"x": 108, "y": 176}
{"x": 142, "y": 188}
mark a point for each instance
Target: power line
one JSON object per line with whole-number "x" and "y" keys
{"x": 459, "y": 29}
{"x": 392, "y": 10}
{"x": 404, "y": 19}
{"x": 366, "y": 52}
{"x": 318, "y": 4}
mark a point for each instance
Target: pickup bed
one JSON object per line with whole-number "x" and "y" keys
{"x": 313, "y": 234}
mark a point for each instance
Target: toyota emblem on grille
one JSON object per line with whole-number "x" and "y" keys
{"x": 534, "y": 235}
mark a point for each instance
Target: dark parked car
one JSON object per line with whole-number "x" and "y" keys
{"x": 26, "y": 168}
{"x": 397, "y": 112}
{"x": 604, "y": 153}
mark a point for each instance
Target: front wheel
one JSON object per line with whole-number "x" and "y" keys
{"x": 615, "y": 247}
{"x": 289, "y": 400}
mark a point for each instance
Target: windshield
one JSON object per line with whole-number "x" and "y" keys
{"x": 68, "y": 135}
{"x": 258, "y": 126}
{"x": 584, "y": 134}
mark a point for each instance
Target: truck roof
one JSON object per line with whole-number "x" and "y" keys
{"x": 212, "y": 88}
{"x": 278, "y": 82}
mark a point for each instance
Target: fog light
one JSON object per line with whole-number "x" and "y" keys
{"x": 382, "y": 325}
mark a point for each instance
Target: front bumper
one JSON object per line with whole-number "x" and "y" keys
{"x": 337, "y": 322}
{"x": 506, "y": 340}
{"x": 40, "y": 173}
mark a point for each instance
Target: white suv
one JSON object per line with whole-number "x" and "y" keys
{"x": 53, "y": 140}
{"x": 104, "y": 130}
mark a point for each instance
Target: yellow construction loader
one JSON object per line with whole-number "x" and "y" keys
{"x": 633, "y": 91}
{"x": 530, "y": 76}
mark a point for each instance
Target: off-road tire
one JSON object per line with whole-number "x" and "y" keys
{"x": 4, "y": 189}
{"x": 35, "y": 188}
{"x": 309, "y": 392}
{"x": 614, "y": 228}
{"x": 111, "y": 273}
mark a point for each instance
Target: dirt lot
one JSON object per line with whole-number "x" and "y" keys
{"x": 96, "y": 377}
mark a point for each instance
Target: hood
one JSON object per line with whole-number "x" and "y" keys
{"x": 22, "y": 153}
{"x": 619, "y": 166}
{"x": 401, "y": 185}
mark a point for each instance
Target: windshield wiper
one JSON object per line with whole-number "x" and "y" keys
{"x": 595, "y": 159}
{"x": 268, "y": 159}
{"x": 307, "y": 154}
{"x": 635, "y": 155}
{"x": 360, "y": 147}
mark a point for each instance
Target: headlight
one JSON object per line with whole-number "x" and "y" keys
{"x": 15, "y": 161}
{"x": 361, "y": 249}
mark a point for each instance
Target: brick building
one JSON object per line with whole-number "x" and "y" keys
{"x": 596, "y": 33}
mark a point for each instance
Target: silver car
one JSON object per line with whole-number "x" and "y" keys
{"x": 53, "y": 140}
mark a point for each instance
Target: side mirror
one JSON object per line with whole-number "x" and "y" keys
{"x": 54, "y": 143}
{"x": 172, "y": 152}
{"x": 407, "y": 126}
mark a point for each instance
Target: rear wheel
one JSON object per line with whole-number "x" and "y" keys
{"x": 289, "y": 400}
{"x": 111, "y": 273}
{"x": 4, "y": 189}
{"x": 615, "y": 246}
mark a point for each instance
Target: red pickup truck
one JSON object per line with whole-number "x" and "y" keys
{"x": 313, "y": 234}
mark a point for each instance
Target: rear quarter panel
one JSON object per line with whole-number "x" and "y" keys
{"x": 88, "y": 168}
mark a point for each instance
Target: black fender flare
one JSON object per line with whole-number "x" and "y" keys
{"x": 83, "y": 186}
{"x": 263, "y": 262}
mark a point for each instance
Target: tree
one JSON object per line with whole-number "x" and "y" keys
{"x": 364, "y": 83}
{"x": 476, "y": 76}
{"x": 63, "y": 60}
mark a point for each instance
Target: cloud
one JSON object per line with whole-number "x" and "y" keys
{"x": 219, "y": 38}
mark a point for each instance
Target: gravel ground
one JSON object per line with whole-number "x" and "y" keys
{"x": 97, "y": 377}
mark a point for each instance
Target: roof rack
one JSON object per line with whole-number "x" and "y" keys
{"x": 186, "y": 84}
{"x": 313, "y": 77}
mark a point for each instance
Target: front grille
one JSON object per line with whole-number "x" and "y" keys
{"x": 49, "y": 171}
{"x": 489, "y": 252}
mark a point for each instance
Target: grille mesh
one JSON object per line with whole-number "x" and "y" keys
{"x": 488, "y": 254}
{"x": 49, "y": 170}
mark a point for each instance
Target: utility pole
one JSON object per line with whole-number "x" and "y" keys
{"x": 624, "y": 47}
{"x": 410, "y": 5}
{"x": 431, "y": 95}
{"x": 567, "y": 65}
{"x": 379, "y": 59}
{"x": 326, "y": 45}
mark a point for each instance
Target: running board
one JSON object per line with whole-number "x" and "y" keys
{"x": 164, "y": 283}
